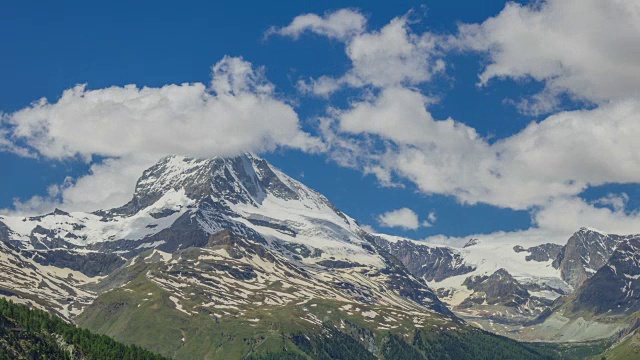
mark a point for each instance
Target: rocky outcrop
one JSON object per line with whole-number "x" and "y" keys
{"x": 615, "y": 288}
{"x": 540, "y": 253}
{"x": 428, "y": 262}
{"x": 91, "y": 263}
{"x": 585, "y": 253}
{"x": 500, "y": 288}
{"x": 400, "y": 279}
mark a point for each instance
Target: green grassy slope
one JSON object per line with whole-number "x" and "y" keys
{"x": 142, "y": 313}
{"x": 628, "y": 349}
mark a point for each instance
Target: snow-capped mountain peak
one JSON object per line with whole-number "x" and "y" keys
{"x": 182, "y": 203}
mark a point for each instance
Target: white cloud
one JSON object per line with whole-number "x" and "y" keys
{"x": 565, "y": 215}
{"x": 582, "y": 47}
{"x": 392, "y": 56}
{"x": 108, "y": 184}
{"x": 238, "y": 113}
{"x": 133, "y": 127}
{"x": 7, "y": 145}
{"x": 556, "y": 222}
{"x": 404, "y": 218}
{"x": 542, "y": 168}
{"x": 576, "y": 48}
{"x": 559, "y": 156}
{"x": 342, "y": 24}
{"x": 37, "y": 204}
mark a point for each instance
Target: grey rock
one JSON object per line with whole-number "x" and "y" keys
{"x": 585, "y": 253}
{"x": 498, "y": 288}
{"x": 91, "y": 264}
{"x": 615, "y": 288}
{"x": 541, "y": 253}
{"x": 431, "y": 263}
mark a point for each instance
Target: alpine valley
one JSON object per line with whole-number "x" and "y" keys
{"x": 229, "y": 258}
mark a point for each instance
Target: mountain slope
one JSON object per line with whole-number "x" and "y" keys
{"x": 526, "y": 300}
{"x": 586, "y": 252}
{"x": 60, "y": 290}
{"x": 235, "y": 288}
{"x": 33, "y": 334}
{"x": 605, "y": 305}
{"x": 615, "y": 288}
{"x": 627, "y": 349}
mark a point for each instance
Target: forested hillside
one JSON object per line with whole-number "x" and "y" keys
{"x": 34, "y": 334}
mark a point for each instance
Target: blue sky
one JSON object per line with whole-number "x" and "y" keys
{"x": 530, "y": 70}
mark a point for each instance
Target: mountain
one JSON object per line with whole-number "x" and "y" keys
{"x": 60, "y": 290}
{"x": 496, "y": 285}
{"x": 605, "y": 305}
{"x": 615, "y": 288}
{"x": 231, "y": 258}
{"x": 501, "y": 298}
{"x": 427, "y": 262}
{"x": 523, "y": 292}
{"x": 585, "y": 252}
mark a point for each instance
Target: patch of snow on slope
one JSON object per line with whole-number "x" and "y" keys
{"x": 315, "y": 224}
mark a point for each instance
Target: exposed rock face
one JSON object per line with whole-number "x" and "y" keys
{"x": 541, "y": 253}
{"x": 471, "y": 242}
{"x": 91, "y": 264}
{"x": 585, "y": 253}
{"x": 428, "y": 262}
{"x": 498, "y": 288}
{"x": 401, "y": 280}
{"x": 243, "y": 179}
{"x": 615, "y": 287}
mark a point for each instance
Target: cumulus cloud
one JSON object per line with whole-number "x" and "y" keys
{"x": 576, "y": 49}
{"x": 559, "y": 156}
{"x": 391, "y": 56}
{"x": 239, "y": 112}
{"x": 37, "y": 204}
{"x": 431, "y": 218}
{"x": 565, "y": 215}
{"x": 133, "y": 127}
{"x": 404, "y": 218}
{"x": 581, "y": 47}
{"x": 6, "y": 145}
{"x": 342, "y": 25}
{"x": 555, "y": 222}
